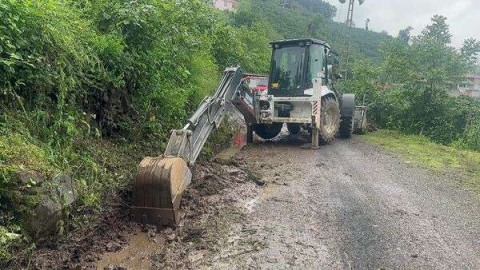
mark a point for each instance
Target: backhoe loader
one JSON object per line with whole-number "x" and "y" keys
{"x": 300, "y": 94}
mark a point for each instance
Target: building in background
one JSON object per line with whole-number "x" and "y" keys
{"x": 229, "y": 5}
{"x": 469, "y": 87}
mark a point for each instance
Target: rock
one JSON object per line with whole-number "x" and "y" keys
{"x": 158, "y": 260}
{"x": 25, "y": 178}
{"x": 115, "y": 267}
{"x": 171, "y": 237}
{"x": 51, "y": 201}
{"x": 44, "y": 217}
{"x": 260, "y": 182}
{"x": 113, "y": 247}
{"x": 65, "y": 190}
{"x": 234, "y": 171}
{"x": 28, "y": 182}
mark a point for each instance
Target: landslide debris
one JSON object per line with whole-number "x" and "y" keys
{"x": 115, "y": 242}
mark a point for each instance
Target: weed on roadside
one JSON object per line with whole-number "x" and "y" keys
{"x": 437, "y": 157}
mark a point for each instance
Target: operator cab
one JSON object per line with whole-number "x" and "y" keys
{"x": 295, "y": 64}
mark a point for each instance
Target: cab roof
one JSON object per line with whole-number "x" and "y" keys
{"x": 298, "y": 40}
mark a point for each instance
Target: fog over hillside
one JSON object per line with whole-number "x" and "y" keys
{"x": 393, "y": 15}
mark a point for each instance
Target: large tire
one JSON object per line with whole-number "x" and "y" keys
{"x": 347, "y": 124}
{"x": 346, "y": 127}
{"x": 249, "y": 134}
{"x": 268, "y": 132}
{"x": 294, "y": 129}
{"x": 330, "y": 120}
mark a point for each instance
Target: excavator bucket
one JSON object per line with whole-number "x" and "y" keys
{"x": 158, "y": 189}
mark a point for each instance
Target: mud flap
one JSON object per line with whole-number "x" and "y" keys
{"x": 157, "y": 191}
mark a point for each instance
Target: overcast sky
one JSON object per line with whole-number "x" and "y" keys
{"x": 393, "y": 15}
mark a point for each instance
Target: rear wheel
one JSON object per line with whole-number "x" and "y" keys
{"x": 348, "y": 112}
{"x": 330, "y": 120}
{"x": 294, "y": 129}
{"x": 346, "y": 127}
{"x": 268, "y": 132}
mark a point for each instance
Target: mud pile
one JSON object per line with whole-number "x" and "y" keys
{"x": 115, "y": 242}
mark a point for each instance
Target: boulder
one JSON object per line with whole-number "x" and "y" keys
{"x": 51, "y": 201}
{"x": 25, "y": 178}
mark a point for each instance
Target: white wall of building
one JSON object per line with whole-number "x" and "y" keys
{"x": 229, "y": 5}
{"x": 470, "y": 87}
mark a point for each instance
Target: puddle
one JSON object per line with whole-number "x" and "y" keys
{"x": 136, "y": 255}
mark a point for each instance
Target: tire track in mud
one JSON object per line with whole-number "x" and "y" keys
{"x": 291, "y": 215}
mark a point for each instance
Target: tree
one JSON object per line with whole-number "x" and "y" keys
{"x": 405, "y": 34}
{"x": 439, "y": 30}
{"x": 409, "y": 91}
{"x": 470, "y": 51}
{"x": 437, "y": 67}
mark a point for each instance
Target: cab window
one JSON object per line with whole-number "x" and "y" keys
{"x": 316, "y": 64}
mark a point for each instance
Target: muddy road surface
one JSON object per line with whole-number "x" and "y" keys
{"x": 349, "y": 205}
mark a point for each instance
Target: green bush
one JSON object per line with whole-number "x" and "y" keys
{"x": 409, "y": 89}
{"x": 401, "y": 107}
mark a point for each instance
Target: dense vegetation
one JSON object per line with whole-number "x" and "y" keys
{"x": 88, "y": 88}
{"x": 409, "y": 89}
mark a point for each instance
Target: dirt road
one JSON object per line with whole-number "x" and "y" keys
{"x": 349, "y": 205}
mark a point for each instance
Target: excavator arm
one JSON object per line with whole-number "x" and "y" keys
{"x": 161, "y": 181}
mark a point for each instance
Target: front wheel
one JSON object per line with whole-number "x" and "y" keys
{"x": 330, "y": 120}
{"x": 268, "y": 132}
{"x": 294, "y": 129}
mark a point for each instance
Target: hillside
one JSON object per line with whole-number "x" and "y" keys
{"x": 310, "y": 18}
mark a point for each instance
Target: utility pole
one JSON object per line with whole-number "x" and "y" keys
{"x": 347, "y": 41}
{"x": 351, "y": 6}
{"x": 348, "y": 38}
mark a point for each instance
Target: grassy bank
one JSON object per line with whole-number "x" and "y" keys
{"x": 437, "y": 157}
{"x": 102, "y": 169}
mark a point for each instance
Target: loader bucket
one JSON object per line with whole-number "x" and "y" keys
{"x": 157, "y": 190}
